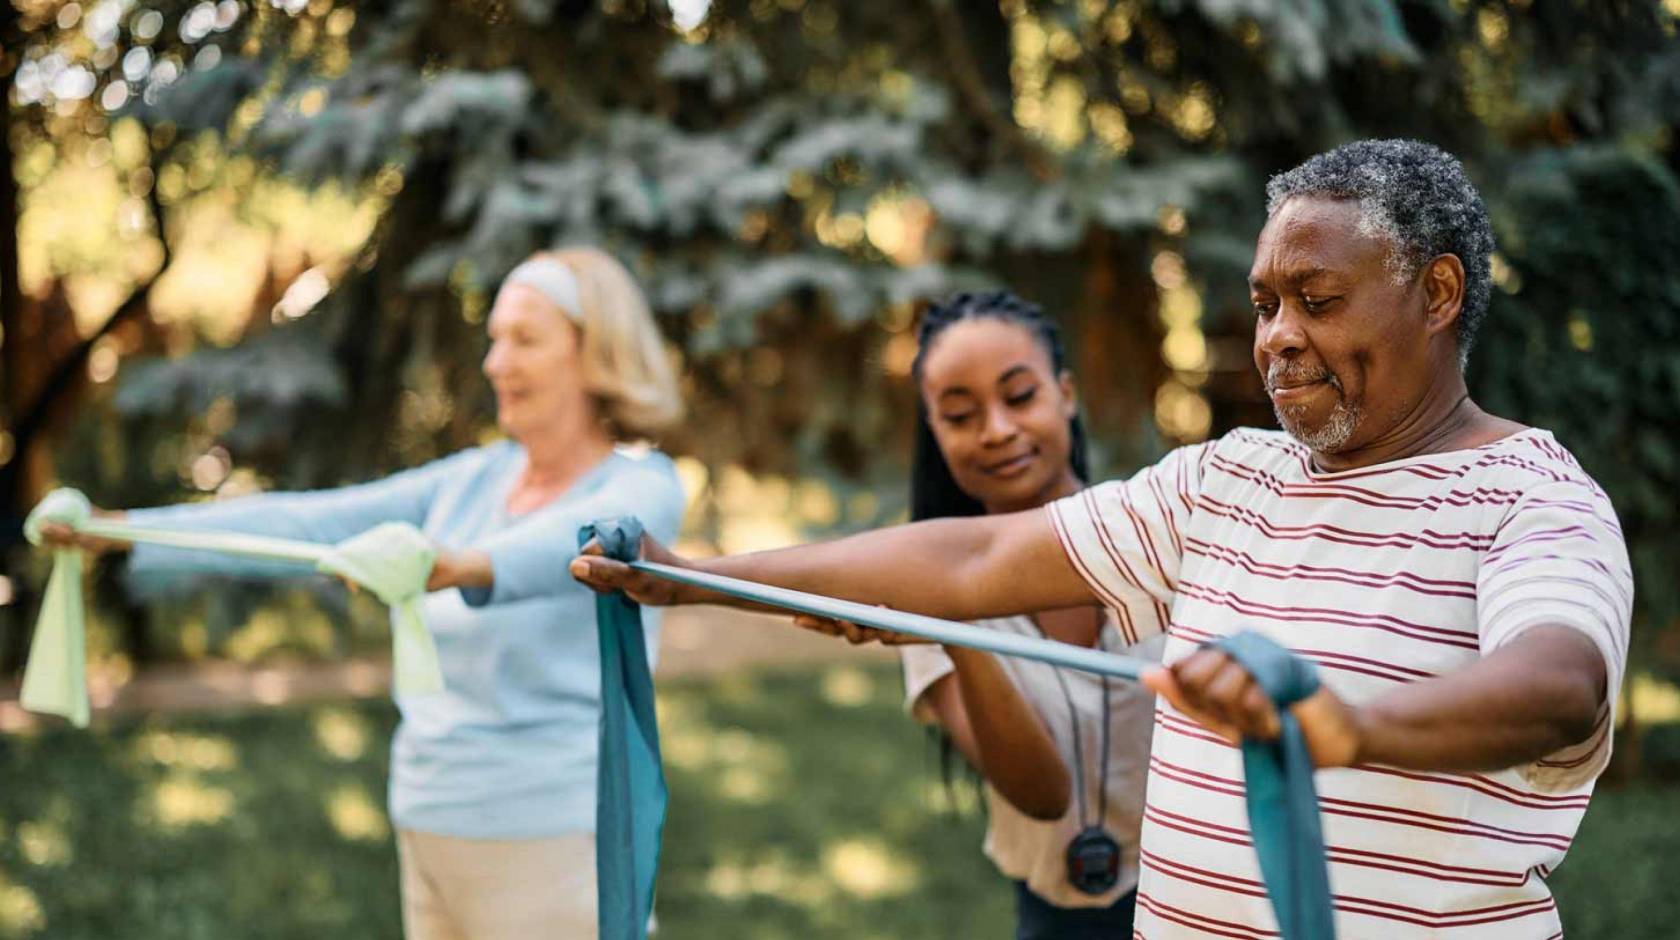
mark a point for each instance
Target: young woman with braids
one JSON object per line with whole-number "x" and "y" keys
{"x": 1063, "y": 753}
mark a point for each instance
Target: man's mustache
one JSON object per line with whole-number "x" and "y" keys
{"x": 1283, "y": 373}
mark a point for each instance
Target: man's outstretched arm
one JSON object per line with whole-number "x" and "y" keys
{"x": 1539, "y": 693}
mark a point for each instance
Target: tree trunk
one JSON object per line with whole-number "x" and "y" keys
{"x": 14, "y": 630}
{"x": 11, "y": 292}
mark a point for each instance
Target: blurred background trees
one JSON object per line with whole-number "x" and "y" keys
{"x": 251, "y": 244}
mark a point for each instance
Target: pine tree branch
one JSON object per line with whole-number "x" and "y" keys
{"x": 971, "y": 87}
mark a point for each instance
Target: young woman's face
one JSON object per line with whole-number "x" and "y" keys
{"x": 533, "y": 363}
{"x": 1000, "y": 414}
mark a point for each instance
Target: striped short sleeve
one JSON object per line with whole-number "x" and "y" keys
{"x": 1558, "y": 558}
{"x": 1126, "y": 538}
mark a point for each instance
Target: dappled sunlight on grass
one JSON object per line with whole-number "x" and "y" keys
{"x": 741, "y": 767}
{"x": 773, "y": 875}
{"x": 842, "y": 841}
{"x": 182, "y": 800}
{"x": 792, "y": 817}
{"x": 355, "y": 814}
{"x": 961, "y": 795}
{"x": 340, "y": 733}
{"x": 167, "y": 828}
{"x": 744, "y": 785}
{"x": 44, "y": 843}
{"x": 847, "y": 686}
{"x": 185, "y": 751}
{"x": 44, "y": 840}
{"x": 868, "y": 868}
{"x": 20, "y": 910}
{"x": 1654, "y": 701}
{"x": 741, "y": 689}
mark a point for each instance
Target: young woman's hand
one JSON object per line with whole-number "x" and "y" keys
{"x": 854, "y": 634}
{"x": 58, "y": 535}
{"x": 605, "y": 575}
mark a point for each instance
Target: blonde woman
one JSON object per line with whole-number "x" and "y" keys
{"x": 493, "y": 781}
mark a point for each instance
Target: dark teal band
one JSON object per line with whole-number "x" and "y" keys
{"x": 1282, "y": 802}
{"x": 630, "y": 787}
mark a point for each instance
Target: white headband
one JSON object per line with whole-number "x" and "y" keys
{"x": 554, "y": 281}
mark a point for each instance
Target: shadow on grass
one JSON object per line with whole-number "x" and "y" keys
{"x": 804, "y": 806}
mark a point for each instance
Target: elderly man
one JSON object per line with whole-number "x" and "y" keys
{"x": 1460, "y": 582}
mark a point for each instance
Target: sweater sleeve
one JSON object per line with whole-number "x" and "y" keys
{"x": 321, "y": 516}
{"x": 529, "y": 559}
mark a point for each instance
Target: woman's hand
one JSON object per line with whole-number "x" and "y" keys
{"x": 1212, "y": 688}
{"x": 57, "y": 535}
{"x": 460, "y": 569}
{"x": 854, "y": 634}
{"x": 605, "y": 575}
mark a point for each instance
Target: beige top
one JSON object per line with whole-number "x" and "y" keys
{"x": 1026, "y": 849}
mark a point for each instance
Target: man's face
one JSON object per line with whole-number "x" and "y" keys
{"x": 1342, "y": 349}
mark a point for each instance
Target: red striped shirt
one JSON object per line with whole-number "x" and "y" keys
{"x": 1384, "y": 575}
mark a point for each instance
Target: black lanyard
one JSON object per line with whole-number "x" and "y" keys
{"x": 1093, "y": 857}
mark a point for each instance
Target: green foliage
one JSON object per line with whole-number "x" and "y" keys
{"x": 1585, "y": 341}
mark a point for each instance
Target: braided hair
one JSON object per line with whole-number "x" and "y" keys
{"x": 934, "y": 492}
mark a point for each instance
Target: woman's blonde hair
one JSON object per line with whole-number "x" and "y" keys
{"x": 626, "y": 369}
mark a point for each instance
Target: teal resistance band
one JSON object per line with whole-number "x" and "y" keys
{"x": 928, "y": 628}
{"x": 392, "y": 561}
{"x": 1282, "y": 804}
{"x": 630, "y": 786}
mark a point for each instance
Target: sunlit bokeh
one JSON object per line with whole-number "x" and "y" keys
{"x": 20, "y": 909}
{"x": 341, "y": 733}
{"x": 356, "y": 815}
{"x": 187, "y": 752}
{"x": 181, "y": 801}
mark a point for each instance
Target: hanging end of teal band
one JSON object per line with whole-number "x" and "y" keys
{"x": 1283, "y": 812}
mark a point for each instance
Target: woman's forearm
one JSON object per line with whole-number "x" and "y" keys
{"x": 1010, "y": 744}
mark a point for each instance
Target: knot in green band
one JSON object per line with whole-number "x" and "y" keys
{"x": 392, "y": 560}
{"x": 64, "y": 506}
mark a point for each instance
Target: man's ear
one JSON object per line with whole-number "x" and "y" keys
{"x": 1443, "y": 293}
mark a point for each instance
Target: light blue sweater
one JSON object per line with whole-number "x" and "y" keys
{"x": 508, "y": 750}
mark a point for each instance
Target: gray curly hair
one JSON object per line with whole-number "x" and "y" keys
{"x": 1416, "y": 196}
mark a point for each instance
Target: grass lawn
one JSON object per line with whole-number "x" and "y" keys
{"x": 803, "y": 806}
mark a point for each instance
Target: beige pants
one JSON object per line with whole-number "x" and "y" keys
{"x": 497, "y": 889}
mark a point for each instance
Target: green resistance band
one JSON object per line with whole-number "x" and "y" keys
{"x": 391, "y": 561}
{"x": 1282, "y": 802}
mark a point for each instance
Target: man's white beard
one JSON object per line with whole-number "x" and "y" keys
{"x": 1327, "y": 438}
